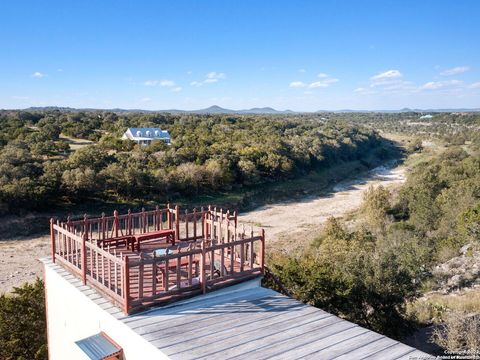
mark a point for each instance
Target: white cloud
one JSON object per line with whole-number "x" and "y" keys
{"x": 60, "y": 70}
{"x": 389, "y": 74}
{"x": 215, "y": 75}
{"x": 210, "y": 78}
{"x": 302, "y": 70}
{"x": 385, "y": 78}
{"x": 455, "y": 71}
{"x": 297, "y": 84}
{"x": 325, "y": 82}
{"x": 318, "y": 84}
{"x": 38, "y": 75}
{"x": 146, "y": 99}
{"x": 177, "y": 89}
{"x": 475, "y": 85}
{"x": 389, "y": 81}
{"x": 164, "y": 83}
{"x": 364, "y": 91}
{"x": 435, "y": 85}
{"x": 322, "y": 75}
{"x": 150, "y": 82}
{"x": 167, "y": 83}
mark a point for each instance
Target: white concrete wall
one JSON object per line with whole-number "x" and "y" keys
{"x": 72, "y": 316}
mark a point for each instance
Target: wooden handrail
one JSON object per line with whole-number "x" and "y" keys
{"x": 225, "y": 253}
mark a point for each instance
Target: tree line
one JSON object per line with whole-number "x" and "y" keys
{"x": 208, "y": 153}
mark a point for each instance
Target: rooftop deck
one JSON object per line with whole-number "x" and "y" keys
{"x": 137, "y": 260}
{"x": 247, "y": 321}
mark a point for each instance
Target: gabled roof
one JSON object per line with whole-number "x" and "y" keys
{"x": 148, "y": 133}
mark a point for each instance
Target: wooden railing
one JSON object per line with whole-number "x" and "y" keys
{"x": 187, "y": 225}
{"x": 211, "y": 251}
{"x": 95, "y": 266}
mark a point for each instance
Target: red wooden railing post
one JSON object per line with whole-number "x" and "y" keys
{"x": 177, "y": 224}
{"x": 262, "y": 252}
{"x": 126, "y": 285}
{"x": 115, "y": 222}
{"x": 84, "y": 259}
{"x": 129, "y": 222}
{"x": 169, "y": 217}
{"x": 144, "y": 221}
{"x": 103, "y": 225}
{"x": 195, "y": 224}
{"x": 52, "y": 238}
{"x": 85, "y": 229}
{"x": 203, "y": 283}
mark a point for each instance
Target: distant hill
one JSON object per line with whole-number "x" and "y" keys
{"x": 215, "y": 109}
{"x": 401, "y": 110}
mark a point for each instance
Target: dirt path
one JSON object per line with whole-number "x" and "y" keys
{"x": 19, "y": 261}
{"x": 293, "y": 224}
{"x": 19, "y": 258}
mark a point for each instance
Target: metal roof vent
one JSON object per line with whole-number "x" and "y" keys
{"x": 100, "y": 347}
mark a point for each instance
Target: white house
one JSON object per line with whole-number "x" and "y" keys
{"x": 145, "y": 136}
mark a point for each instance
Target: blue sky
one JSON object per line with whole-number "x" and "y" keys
{"x": 300, "y": 55}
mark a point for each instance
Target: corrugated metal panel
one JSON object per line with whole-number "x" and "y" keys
{"x": 98, "y": 347}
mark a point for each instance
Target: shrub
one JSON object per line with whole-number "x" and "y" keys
{"x": 23, "y": 323}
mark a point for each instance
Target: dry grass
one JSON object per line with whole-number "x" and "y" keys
{"x": 434, "y": 307}
{"x": 75, "y": 143}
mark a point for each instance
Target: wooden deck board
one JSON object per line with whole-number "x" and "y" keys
{"x": 222, "y": 313}
{"x": 337, "y": 347}
{"x": 298, "y": 337}
{"x": 394, "y": 352}
{"x": 257, "y": 323}
{"x": 236, "y": 336}
{"x": 240, "y": 324}
{"x": 201, "y": 304}
{"x": 367, "y": 349}
{"x": 246, "y": 321}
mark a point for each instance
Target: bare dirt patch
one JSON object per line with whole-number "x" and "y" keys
{"x": 293, "y": 225}
{"x": 75, "y": 143}
{"x": 19, "y": 261}
{"x": 288, "y": 225}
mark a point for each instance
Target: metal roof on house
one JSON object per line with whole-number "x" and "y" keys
{"x": 98, "y": 347}
{"x": 149, "y": 133}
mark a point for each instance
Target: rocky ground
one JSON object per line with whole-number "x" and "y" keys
{"x": 459, "y": 272}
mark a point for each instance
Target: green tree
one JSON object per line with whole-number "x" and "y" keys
{"x": 376, "y": 203}
{"x": 23, "y": 323}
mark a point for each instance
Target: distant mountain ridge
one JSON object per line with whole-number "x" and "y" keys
{"x": 215, "y": 109}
